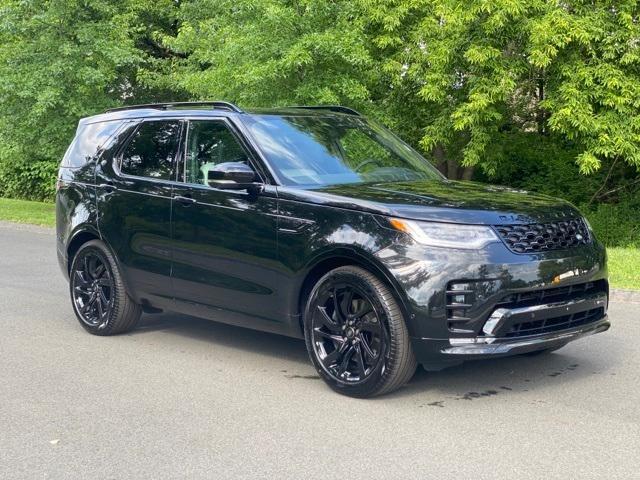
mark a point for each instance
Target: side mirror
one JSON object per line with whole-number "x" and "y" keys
{"x": 233, "y": 176}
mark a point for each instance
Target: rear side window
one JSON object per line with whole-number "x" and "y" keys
{"x": 152, "y": 150}
{"x": 89, "y": 139}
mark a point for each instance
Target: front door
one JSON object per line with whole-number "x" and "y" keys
{"x": 224, "y": 241}
{"x": 134, "y": 204}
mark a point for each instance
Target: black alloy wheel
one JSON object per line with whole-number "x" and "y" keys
{"x": 356, "y": 335}
{"x": 99, "y": 298}
{"x": 92, "y": 289}
{"x": 348, "y": 337}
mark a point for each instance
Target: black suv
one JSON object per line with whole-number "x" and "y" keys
{"x": 315, "y": 222}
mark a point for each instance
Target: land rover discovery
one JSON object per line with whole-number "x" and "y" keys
{"x": 317, "y": 223}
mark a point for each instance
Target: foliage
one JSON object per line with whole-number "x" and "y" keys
{"x": 61, "y": 60}
{"x": 544, "y": 164}
{"x": 490, "y": 67}
{"x": 31, "y": 180}
{"x": 616, "y": 225}
{"x": 272, "y": 52}
{"x": 534, "y": 93}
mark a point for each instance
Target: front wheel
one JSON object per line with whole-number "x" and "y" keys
{"x": 98, "y": 295}
{"x": 356, "y": 334}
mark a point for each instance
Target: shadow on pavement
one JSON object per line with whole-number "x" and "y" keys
{"x": 505, "y": 376}
{"x": 227, "y": 335}
{"x": 469, "y": 381}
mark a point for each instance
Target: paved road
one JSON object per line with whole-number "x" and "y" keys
{"x": 183, "y": 397}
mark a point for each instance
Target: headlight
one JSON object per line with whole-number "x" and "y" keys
{"x": 446, "y": 234}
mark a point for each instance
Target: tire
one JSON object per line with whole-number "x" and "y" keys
{"x": 98, "y": 295}
{"x": 356, "y": 335}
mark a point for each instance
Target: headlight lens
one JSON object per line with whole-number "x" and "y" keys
{"x": 446, "y": 234}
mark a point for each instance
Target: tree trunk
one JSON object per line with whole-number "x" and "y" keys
{"x": 541, "y": 118}
{"x": 453, "y": 169}
{"x": 449, "y": 167}
{"x": 467, "y": 172}
{"x": 441, "y": 158}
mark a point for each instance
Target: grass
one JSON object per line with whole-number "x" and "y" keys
{"x": 624, "y": 263}
{"x": 24, "y": 211}
{"x": 624, "y": 267}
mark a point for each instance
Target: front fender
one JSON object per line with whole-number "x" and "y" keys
{"x": 329, "y": 238}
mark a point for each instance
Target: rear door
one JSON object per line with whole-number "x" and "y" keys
{"x": 225, "y": 241}
{"x": 134, "y": 191}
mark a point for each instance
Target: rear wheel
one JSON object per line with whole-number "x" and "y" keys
{"x": 356, "y": 335}
{"x": 98, "y": 296}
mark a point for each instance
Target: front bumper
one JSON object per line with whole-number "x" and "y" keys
{"x": 463, "y": 305}
{"x": 436, "y": 354}
{"x": 504, "y": 346}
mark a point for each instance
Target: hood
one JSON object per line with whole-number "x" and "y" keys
{"x": 439, "y": 200}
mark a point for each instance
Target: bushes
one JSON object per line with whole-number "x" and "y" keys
{"x": 28, "y": 180}
{"x": 616, "y": 225}
{"x": 545, "y": 164}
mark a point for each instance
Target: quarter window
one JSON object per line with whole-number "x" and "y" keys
{"x": 210, "y": 143}
{"x": 152, "y": 150}
{"x": 89, "y": 140}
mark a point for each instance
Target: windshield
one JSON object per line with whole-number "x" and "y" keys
{"x": 313, "y": 150}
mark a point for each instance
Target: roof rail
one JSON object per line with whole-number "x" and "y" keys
{"x": 331, "y": 108}
{"x": 167, "y": 106}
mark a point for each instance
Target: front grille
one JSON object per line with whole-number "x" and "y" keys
{"x": 552, "y": 295}
{"x": 539, "y": 237}
{"x": 555, "y": 324}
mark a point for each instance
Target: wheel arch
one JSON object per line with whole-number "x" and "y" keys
{"x": 82, "y": 235}
{"x": 344, "y": 256}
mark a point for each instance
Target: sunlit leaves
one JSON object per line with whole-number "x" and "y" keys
{"x": 569, "y": 68}
{"x": 61, "y": 60}
{"x": 461, "y": 78}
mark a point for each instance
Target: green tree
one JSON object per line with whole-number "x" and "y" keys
{"x": 497, "y": 84}
{"x": 264, "y": 53}
{"x": 273, "y": 52}
{"x": 61, "y": 60}
{"x": 493, "y": 69}
{"x": 463, "y": 78}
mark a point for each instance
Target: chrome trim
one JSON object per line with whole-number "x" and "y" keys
{"x": 501, "y": 315}
{"x": 495, "y": 320}
{"x": 500, "y": 346}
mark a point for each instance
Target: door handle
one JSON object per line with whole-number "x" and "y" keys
{"x": 185, "y": 200}
{"x": 108, "y": 187}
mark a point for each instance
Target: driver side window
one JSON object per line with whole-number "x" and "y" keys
{"x": 209, "y": 143}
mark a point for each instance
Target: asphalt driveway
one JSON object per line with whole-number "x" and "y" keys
{"x": 187, "y": 398}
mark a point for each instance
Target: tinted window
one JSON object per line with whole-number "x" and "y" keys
{"x": 208, "y": 144}
{"x": 151, "y": 151}
{"x": 89, "y": 139}
{"x": 328, "y": 150}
